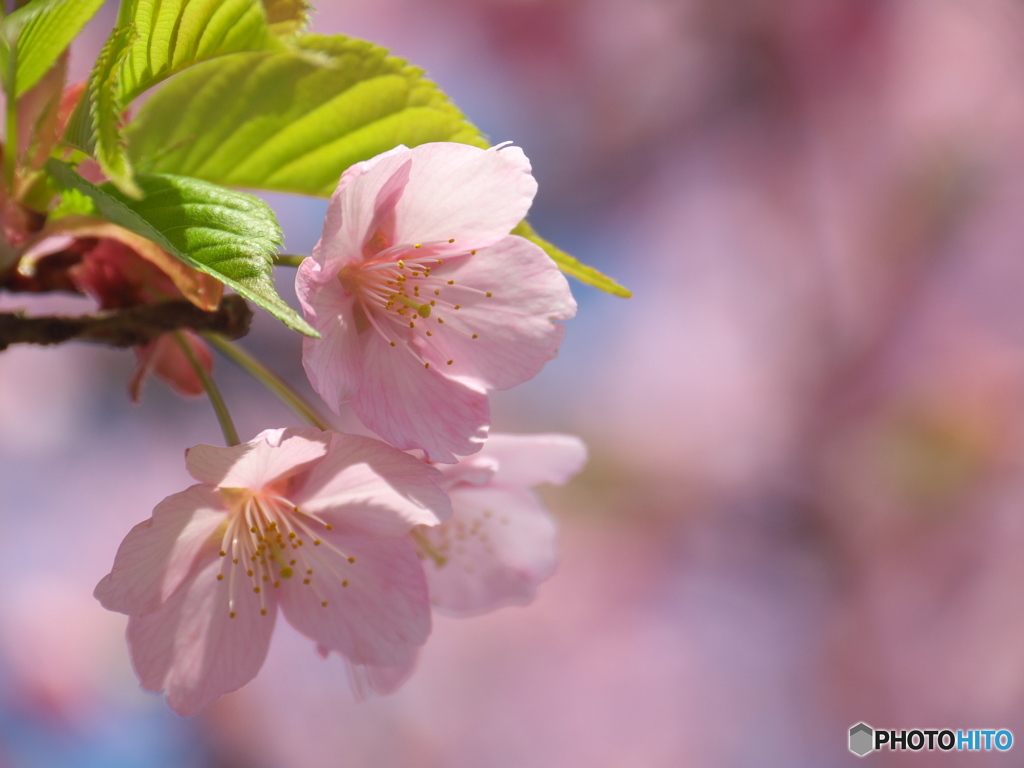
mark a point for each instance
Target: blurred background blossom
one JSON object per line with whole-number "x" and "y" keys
{"x": 805, "y": 502}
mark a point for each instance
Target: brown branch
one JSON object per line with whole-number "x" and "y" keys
{"x": 127, "y": 327}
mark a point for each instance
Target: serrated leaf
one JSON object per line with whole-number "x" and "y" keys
{"x": 572, "y": 266}
{"x": 39, "y": 33}
{"x": 106, "y": 108}
{"x": 175, "y": 34}
{"x": 227, "y": 234}
{"x": 292, "y": 121}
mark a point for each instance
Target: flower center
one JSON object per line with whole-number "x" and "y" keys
{"x": 408, "y": 296}
{"x": 263, "y": 542}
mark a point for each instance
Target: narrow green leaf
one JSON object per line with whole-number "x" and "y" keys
{"x": 106, "y": 109}
{"x": 175, "y": 34}
{"x": 572, "y": 266}
{"x": 39, "y": 33}
{"x": 293, "y": 120}
{"x": 228, "y": 234}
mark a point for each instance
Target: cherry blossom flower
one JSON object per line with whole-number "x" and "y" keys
{"x": 311, "y": 521}
{"x": 499, "y": 543}
{"x": 423, "y": 299}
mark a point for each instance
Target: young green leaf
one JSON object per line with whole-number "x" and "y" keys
{"x": 228, "y": 234}
{"x": 38, "y": 34}
{"x": 293, "y": 120}
{"x": 175, "y": 34}
{"x": 570, "y": 265}
{"x": 105, "y": 108}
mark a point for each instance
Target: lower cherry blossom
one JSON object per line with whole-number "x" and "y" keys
{"x": 312, "y": 522}
{"x": 500, "y": 542}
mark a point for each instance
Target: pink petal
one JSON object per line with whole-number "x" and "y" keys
{"x": 193, "y": 650}
{"x": 457, "y": 191}
{"x": 499, "y": 545}
{"x": 381, "y": 680}
{"x": 271, "y": 456}
{"x": 158, "y": 554}
{"x": 413, "y": 407}
{"x": 377, "y": 608}
{"x": 527, "y": 460}
{"x": 333, "y": 362}
{"x": 516, "y": 335}
{"x": 365, "y": 486}
{"x": 165, "y": 358}
{"x": 357, "y": 205}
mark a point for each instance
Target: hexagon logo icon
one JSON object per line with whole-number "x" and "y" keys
{"x": 861, "y": 739}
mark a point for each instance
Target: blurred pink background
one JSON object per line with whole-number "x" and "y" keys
{"x": 805, "y": 501}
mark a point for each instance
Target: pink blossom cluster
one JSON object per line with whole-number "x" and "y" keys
{"x": 424, "y": 303}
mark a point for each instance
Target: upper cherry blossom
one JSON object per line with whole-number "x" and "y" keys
{"x": 311, "y": 521}
{"x": 423, "y": 299}
{"x": 500, "y": 542}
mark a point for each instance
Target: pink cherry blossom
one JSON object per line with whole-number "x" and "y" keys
{"x": 423, "y": 299}
{"x": 499, "y": 543}
{"x": 311, "y": 521}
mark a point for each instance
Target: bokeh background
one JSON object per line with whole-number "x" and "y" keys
{"x": 805, "y": 501}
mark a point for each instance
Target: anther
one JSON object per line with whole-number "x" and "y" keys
{"x": 324, "y": 603}
{"x": 223, "y": 553}
{"x": 329, "y": 527}
{"x": 256, "y": 590}
{"x": 305, "y": 581}
{"x": 263, "y": 611}
{"x": 249, "y": 572}
{"x": 451, "y": 282}
{"x": 489, "y": 294}
{"x": 220, "y": 577}
{"x": 344, "y": 584}
{"x": 452, "y": 240}
{"x": 351, "y": 559}
{"x": 475, "y": 336}
{"x": 450, "y": 362}
{"x": 426, "y": 365}
{"x": 231, "y": 615}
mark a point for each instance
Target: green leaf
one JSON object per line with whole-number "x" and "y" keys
{"x": 38, "y": 34}
{"x": 105, "y": 108}
{"x": 228, "y": 234}
{"x": 572, "y": 266}
{"x": 293, "y": 120}
{"x": 175, "y": 34}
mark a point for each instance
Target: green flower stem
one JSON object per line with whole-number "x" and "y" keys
{"x": 227, "y": 426}
{"x": 11, "y": 127}
{"x": 280, "y": 388}
{"x": 288, "y": 260}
